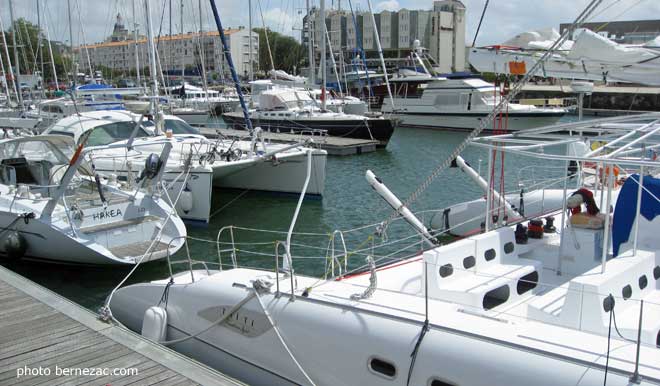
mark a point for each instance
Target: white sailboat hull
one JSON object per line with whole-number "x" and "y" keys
{"x": 285, "y": 175}
{"x": 335, "y": 343}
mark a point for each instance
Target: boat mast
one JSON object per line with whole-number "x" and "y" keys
{"x": 201, "y": 54}
{"x": 52, "y": 60}
{"x": 19, "y": 95}
{"x": 152, "y": 63}
{"x": 322, "y": 66}
{"x": 11, "y": 70}
{"x": 183, "y": 62}
{"x": 40, "y": 53}
{"x": 310, "y": 47}
{"x": 250, "y": 38}
{"x": 4, "y": 79}
{"x": 380, "y": 54}
{"x": 73, "y": 64}
{"x": 135, "y": 44}
{"x": 230, "y": 62}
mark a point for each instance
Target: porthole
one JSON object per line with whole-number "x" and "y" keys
{"x": 643, "y": 282}
{"x": 508, "y": 247}
{"x": 382, "y": 367}
{"x": 656, "y": 272}
{"x": 469, "y": 262}
{"x": 626, "y": 292}
{"x": 496, "y": 297}
{"x": 438, "y": 382}
{"x": 527, "y": 282}
{"x": 446, "y": 270}
{"x": 657, "y": 339}
{"x": 490, "y": 254}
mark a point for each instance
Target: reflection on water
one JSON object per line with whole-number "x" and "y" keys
{"x": 349, "y": 202}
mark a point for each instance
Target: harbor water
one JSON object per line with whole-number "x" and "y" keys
{"x": 349, "y": 202}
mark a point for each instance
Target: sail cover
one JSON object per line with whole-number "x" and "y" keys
{"x": 626, "y": 207}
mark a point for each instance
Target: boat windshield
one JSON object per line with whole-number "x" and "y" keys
{"x": 37, "y": 150}
{"x": 113, "y": 132}
{"x": 177, "y": 127}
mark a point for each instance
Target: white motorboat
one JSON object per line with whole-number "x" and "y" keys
{"x": 461, "y": 104}
{"x": 245, "y": 165}
{"x": 590, "y": 56}
{"x": 53, "y": 209}
{"x": 561, "y": 307}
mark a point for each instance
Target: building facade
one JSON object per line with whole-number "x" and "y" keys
{"x": 441, "y": 30}
{"x": 624, "y": 32}
{"x": 174, "y": 52}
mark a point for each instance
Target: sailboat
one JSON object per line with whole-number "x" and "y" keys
{"x": 537, "y": 304}
{"x": 50, "y": 204}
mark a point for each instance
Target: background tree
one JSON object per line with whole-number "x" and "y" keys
{"x": 287, "y": 52}
{"x": 27, "y": 38}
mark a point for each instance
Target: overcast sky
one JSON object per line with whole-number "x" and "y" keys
{"x": 93, "y": 19}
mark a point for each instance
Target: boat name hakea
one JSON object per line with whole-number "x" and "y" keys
{"x": 106, "y": 214}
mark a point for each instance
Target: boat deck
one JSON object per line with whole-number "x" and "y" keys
{"x": 333, "y": 145}
{"x": 43, "y": 332}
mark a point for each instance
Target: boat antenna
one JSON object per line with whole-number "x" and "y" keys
{"x": 579, "y": 20}
{"x": 230, "y": 62}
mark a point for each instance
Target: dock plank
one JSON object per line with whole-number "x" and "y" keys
{"x": 39, "y": 329}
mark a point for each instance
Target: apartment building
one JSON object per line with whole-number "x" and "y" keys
{"x": 174, "y": 52}
{"x": 441, "y": 30}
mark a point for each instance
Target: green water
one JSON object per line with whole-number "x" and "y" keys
{"x": 349, "y": 202}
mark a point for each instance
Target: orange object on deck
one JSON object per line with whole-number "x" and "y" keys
{"x": 517, "y": 68}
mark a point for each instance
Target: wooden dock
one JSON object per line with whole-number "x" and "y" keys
{"x": 52, "y": 339}
{"x": 333, "y": 145}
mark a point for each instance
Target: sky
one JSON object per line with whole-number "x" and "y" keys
{"x": 503, "y": 19}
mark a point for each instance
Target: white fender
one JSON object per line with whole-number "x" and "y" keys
{"x": 186, "y": 200}
{"x": 154, "y": 324}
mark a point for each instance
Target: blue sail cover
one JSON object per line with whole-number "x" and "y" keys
{"x": 626, "y": 206}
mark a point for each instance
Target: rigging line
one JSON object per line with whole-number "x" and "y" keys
{"x": 609, "y": 340}
{"x": 263, "y": 22}
{"x": 483, "y": 13}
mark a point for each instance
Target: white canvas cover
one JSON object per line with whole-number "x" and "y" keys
{"x": 589, "y": 45}
{"x": 541, "y": 39}
{"x": 282, "y": 99}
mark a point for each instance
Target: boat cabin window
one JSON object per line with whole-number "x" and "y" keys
{"x": 656, "y": 272}
{"x": 446, "y": 270}
{"x": 643, "y": 282}
{"x": 382, "y": 367}
{"x": 113, "y": 132}
{"x": 438, "y": 382}
{"x": 57, "y": 132}
{"x": 469, "y": 262}
{"x": 179, "y": 127}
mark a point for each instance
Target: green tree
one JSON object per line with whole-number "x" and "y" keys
{"x": 27, "y": 38}
{"x": 287, "y": 52}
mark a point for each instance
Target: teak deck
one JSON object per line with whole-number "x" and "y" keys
{"x": 40, "y": 329}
